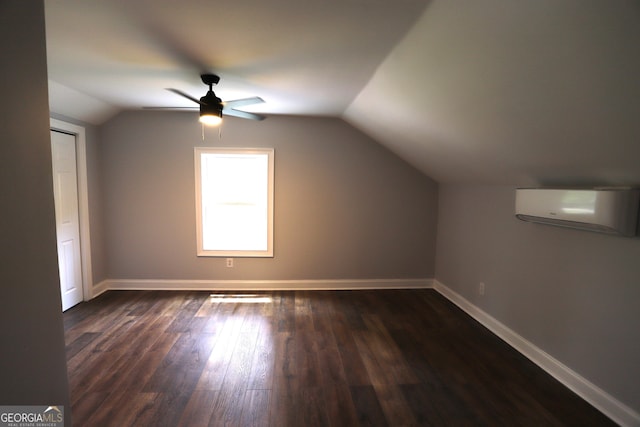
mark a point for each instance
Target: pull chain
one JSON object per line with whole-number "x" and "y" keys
{"x": 219, "y": 131}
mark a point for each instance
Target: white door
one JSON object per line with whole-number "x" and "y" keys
{"x": 65, "y": 193}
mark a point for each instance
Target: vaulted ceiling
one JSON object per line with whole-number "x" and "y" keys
{"x": 536, "y": 92}
{"x": 309, "y": 57}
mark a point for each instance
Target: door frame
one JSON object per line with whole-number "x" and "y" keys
{"x": 83, "y": 201}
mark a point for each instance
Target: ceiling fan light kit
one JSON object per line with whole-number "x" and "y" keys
{"x": 210, "y": 119}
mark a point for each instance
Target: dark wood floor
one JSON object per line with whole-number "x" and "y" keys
{"x": 343, "y": 358}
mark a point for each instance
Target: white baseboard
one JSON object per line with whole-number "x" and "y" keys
{"x": 266, "y": 285}
{"x": 607, "y": 404}
{"x": 98, "y": 289}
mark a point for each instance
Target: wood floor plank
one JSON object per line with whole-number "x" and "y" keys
{"x": 284, "y": 402}
{"x": 321, "y": 311}
{"x": 199, "y": 408}
{"x": 79, "y": 343}
{"x": 302, "y": 311}
{"x": 378, "y": 373}
{"x": 283, "y": 312}
{"x": 285, "y": 355}
{"x": 86, "y": 404}
{"x": 239, "y": 366}
{"x": 435, "y": 404}
{"x": 311, "y": 408}
{"x": 368, "y": 409}
{"x": 307, "y": 368}
{"x": 347, "y": 305}
{"x": 301, "y": 358}
{"x": 263, "y": 363}
{"x": 168, "y": 408}
{"x": 149, "y": 334}
{"x": 339, "y": 405}
{"x": 228, "y": 407}
{"x": 82, "y": 379}
{"x": 182, "y": 367}
{"x": 127, "y": 409}
{"x": 141, "y": 367}
{"x": 183, "y": 320}
{"x": 330, "y": 366}
{"x": 386, "y": 351}
{"x": 354, "y": 367}
{"x": 216, "y": 367}
{"x": 394, "y": 405}
{"x": 255, "y": 408}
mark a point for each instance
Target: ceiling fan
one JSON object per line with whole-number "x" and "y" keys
{"x": 213, "y": 108}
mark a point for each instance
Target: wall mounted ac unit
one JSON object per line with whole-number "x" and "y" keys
{"x": 611, "y": 211}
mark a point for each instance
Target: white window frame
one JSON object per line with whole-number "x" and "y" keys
{"x": 201, "y": 251}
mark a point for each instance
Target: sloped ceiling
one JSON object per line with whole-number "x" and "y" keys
{"x": 306, "y": 57}
{"x": 526, "y": 93}
{"x": 534, "y": 92}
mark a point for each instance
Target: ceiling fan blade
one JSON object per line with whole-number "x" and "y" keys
{"x": 242, "y": 102}
{"x": 242, "y": 114}
{"x": 170, "y": 108}
{"x": 186, "y": 95}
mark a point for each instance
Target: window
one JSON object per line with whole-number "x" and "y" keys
{"x": 234, "y": 201}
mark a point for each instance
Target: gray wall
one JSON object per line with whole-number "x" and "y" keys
{"x": 345, "y": 207}
{"x": 574, "y": 294}
{"x": 98, "y": 257}
{"x": 33, "y": 368}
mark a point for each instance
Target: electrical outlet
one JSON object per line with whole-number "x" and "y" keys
{"x": 481, "y": 289}
{"x": 229, "y": 262}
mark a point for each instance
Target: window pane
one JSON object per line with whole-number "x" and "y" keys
{"x": 235, "y": 202}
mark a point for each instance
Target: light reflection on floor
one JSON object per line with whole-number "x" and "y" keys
{"x": 240, "y": 298}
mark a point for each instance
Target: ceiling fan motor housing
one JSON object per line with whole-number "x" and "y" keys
{"x": 211, "y": 104}
{"x": 211, "y": 99}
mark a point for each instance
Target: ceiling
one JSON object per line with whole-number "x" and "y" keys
{"x": 536, "y": 92}
{"x": 304, "y": 57}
